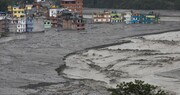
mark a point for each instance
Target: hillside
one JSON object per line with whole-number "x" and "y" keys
{"x": 118, "y": 4}
{"x": 133, "y": 4}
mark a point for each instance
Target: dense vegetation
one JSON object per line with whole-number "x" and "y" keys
{"x": 133, "y": 4}
{"x": 136, "y": 88}
{"x": 119, "y": 4}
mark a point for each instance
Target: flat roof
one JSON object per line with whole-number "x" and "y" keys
{"x": 2, "y": 12}
{"x": 68, "y": 0}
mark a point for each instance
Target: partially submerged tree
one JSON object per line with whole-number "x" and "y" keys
{"x": 136, "y": 88}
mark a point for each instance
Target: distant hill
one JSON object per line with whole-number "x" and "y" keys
{"x": 133, "y": 4}
{"x": 118, "y": 4}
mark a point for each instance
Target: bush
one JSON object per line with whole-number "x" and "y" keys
{"x": 136, "y": 88}
{"x": 4, "y": 34}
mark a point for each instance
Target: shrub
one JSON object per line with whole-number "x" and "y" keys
{"x": 136, "y": 88}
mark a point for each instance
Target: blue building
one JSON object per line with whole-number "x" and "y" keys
{"x": 136, "y": 18}
{"x": 29, "y": 24}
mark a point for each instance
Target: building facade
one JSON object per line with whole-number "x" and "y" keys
{"x": 18, "y": 12}
{"x": 72, "y": 21}
{"x": 29, "y": 24}
{"x": 17, "y": 25}
{"x": 28, "y": 7}
{"x": 39, "y": 1}
{"x": 47, "y": 24}
{"x": 53, "y": 12}
{"x": 136, "y": 18}
{"x": 10, "y": 9}
{"x": 116, "y": 17}
{"x": 3, "y": 22}
{"x": 2, "y": 25}
{"x": 21, "y": 25}
{"x": 128, "y": 17}
{"x": 73, "y": 5}
{"x": 102, "y": 17}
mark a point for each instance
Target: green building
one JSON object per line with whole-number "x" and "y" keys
{"x": 47, "y": 24}
{"x": 116, "y": 17}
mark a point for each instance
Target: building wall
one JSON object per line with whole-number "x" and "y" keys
{"x": 21, "y": 25}
{"x": 38, "y": 24}
{"x": 18, "y": 12}
{"x": 47, "y": 24}
{"x": 55, "y": 11}
{"x": 2, "y": 26}
{"x": 102, "y": 17}
{"x": 74, "y": 5}
{"x": 40, "y": 0}
{"x": 116, "y": 17}
{"x": 18, "y": 25}
{"x": 10, "y": 8}
{"x": 29, "y": 24}
{"x": 128, "y": 17}
{"x": 29, "y": 7}
{"x": 13, "y": 25}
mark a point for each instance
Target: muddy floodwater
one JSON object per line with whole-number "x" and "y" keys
{"x": 29, "y": 63}
{"x": 154, "y": 59}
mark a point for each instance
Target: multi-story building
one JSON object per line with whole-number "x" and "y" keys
{"x": 72, "y": 21}
{"x": 104, "y": 17}
{"x": 18, "y": 25}
{"x": 47, "y": 24}
{"x": 3, "y": 22}
{"x": 151, "y": 18}
{"x": 10, "y": 9}
{"x": 39, "y": 0}
{"x": 18, "y": 12}
{"x": 128, "y": 17}
{"x": 73, "y": 5}
{"x": 53, "y": 12}
{"x": 136, "y": 18}
{"x": 28, "y": 7}
{"x": 29, "y": 24}
{"x": 116, "y": 17}
{"x": 2, "y": 15}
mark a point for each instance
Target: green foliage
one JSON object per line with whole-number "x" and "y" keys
{"x": 133, "y": 4}
{"x": 136, "y": 88}
{"x": 118, "y": 4}
{"x": 4, "y": 34}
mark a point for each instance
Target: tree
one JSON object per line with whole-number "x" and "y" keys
{"x": 136, "y": 88}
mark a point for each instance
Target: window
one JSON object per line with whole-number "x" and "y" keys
{"x": 15, "y": 12}
{"x": 19, "y": 12}
{"x": 48, "y": 23}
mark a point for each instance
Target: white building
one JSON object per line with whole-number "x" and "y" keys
{"x": 102, "y": 17}
{"x": 18, "y": 25}
{"x": 40, "y": 0}
{"x": 21, "y": 25}
{"x": 128, "y": 17}
{"x": 54, "y": 11}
